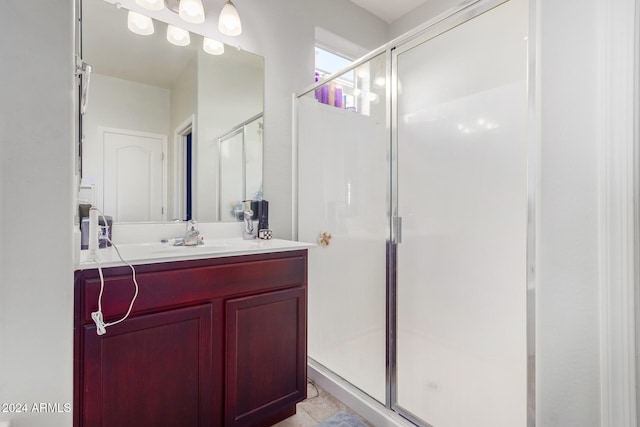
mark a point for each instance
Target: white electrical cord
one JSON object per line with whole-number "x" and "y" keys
{"x": 97, "y": 316}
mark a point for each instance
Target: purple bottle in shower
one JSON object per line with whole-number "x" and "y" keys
{"x": 338, "y": 101}
{"x": 318, "y": 90}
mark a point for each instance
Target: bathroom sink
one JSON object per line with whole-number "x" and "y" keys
{"x": 206, "y": 247}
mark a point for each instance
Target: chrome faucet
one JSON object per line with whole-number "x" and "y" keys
{"x": 192, "y": 235}
{"x": 249, "y": 232}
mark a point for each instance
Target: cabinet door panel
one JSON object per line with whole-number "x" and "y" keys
{"x": 266, "y": 355}
{"x": 149, "y": 371}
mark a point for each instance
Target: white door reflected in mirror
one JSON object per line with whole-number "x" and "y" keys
{"x": 134, "y": 176}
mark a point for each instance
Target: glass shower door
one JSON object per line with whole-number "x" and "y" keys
{"x": 461, "y": 143}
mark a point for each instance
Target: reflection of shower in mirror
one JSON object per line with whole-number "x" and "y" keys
{"x": 240, "y": 166}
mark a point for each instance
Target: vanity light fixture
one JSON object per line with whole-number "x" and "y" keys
{"x": 229, "y": 21}
{"x": 213, "y": 47}
{"x": 178, "y": 36}
{"x": 191, "y": 11}
{"x": 139, "y": 23}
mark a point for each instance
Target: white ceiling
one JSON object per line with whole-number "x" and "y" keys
{"x": 389, "y": 10}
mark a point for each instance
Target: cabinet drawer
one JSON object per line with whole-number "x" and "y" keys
{"x": 185, "y": 283}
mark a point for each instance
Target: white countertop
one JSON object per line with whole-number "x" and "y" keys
{"x": 151, "y": 253}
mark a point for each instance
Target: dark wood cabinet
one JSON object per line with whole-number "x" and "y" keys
{"x": 148, "y": 370}
{"x": 215, "y": 342}
{"x": 265, "y": 355}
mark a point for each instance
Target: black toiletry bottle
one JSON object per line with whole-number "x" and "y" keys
{"x": 255, "y": 207}
{"x": 263, "y": 215}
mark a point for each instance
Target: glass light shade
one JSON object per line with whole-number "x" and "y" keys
{"x": 229, "y": 21}
{"x": 178, "y": 36}
{"x": 214, "y": 47}
{"x": 191, "y": 11}
{"x": 139, "y": 23}
{"x": 151, "y": 4}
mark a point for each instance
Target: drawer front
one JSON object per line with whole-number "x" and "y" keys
{"x": 185, "y": 286}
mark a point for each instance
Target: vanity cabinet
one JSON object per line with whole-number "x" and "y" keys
{"x": 212, "y": 342}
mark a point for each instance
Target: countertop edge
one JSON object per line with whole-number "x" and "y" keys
{"x": 108, "y": 257}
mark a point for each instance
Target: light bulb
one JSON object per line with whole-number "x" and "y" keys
{"x": 178, "y": 36}
{"x": 214, "y": 47}
{"x": 139, "y": 24}
{"x": 229, "y": 21}
{"x": 151, "y": 4}
{"x": 191, "y": 11}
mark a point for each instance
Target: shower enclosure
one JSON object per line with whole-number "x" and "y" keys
{"x": 414, "y": 161}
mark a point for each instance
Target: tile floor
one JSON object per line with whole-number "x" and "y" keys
{"x": 318, "y": 406}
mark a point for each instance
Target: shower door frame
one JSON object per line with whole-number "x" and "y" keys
{"x": 429, "y": 30}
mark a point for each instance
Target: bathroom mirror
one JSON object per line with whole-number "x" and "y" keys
{"x": 155, "y": 115}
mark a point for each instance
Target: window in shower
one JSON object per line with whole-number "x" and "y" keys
{"x": 357, "y": 90}
{"x": 339, "y": 92}
{"x": 328, "y": 63}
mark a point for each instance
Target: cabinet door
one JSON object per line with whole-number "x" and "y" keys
{"x": 266, "y": 356}
{"x": 152, "y": 370}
